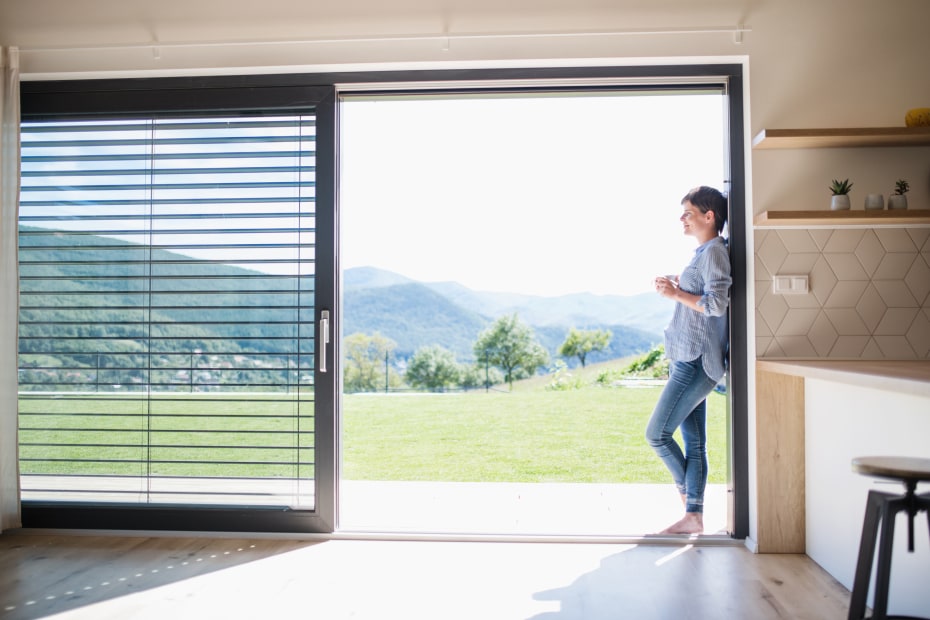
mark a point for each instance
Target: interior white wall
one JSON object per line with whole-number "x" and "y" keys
{"x": 843, "y": 422}
{"x": 811, "y": 64}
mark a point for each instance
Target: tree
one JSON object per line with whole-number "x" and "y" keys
{"x": 509, "y": 344}
{"x": 433, "y": 368}
{"x": 580, "y": 342}
{"x": 654, "y": 363}
{"x": 479, "y": 376}
{"x": 365, "y": 361}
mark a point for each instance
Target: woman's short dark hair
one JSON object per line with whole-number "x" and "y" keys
{"x": 709, "y": 199}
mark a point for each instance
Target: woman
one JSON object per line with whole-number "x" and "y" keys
{"x": 696, "y": 345}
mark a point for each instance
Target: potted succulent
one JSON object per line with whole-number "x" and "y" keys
{"x": 840, "y": 191}
{"x": 898, "y": 200}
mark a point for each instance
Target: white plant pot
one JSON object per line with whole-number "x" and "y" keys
{"x": 897, "y": 201}
{"x": 840, "y": 202}
{"x": 874, "y": 202}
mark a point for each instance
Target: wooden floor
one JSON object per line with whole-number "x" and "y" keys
{"x": 103, "y": 577}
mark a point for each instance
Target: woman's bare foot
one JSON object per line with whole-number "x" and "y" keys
{"x": 691, "y": 523}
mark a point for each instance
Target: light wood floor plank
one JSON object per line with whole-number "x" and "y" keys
{"x": 120, "y": 578}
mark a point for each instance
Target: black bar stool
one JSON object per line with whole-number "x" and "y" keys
{"x": 882, "y": 508}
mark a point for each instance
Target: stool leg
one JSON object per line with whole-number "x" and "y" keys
{"x": 873, "y": 516}
{"x": 885, "y": 551}
{"x": 924, "y": 504}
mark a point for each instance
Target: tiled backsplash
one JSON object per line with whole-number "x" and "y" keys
{"x": 869, "y": 293}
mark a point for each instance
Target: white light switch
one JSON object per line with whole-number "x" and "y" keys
{"x": 790, "y": 285}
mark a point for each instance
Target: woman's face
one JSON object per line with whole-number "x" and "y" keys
{"x": 697, "y": 224}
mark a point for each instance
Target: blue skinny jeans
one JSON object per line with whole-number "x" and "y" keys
{"x": 683, "y": 404}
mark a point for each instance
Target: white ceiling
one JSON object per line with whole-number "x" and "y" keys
{"x": 43, "y": 24}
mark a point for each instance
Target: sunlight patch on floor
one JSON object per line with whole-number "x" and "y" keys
{"x": 519, "y": 508}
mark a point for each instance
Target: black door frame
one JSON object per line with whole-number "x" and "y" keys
{"x": 731, "y": 77}
{"x": 126, "y": 97}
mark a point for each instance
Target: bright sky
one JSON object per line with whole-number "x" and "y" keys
{"x": 543, "y": 195}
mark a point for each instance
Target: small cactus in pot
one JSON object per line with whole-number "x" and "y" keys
{"x": 898, "y": 200}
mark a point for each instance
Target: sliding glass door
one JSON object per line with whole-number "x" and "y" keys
{"x": 169, "y": 321}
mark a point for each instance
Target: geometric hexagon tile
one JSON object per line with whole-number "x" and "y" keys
{"x": 869, "y": 294}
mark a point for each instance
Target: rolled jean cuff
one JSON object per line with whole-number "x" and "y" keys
{"x": 693, "y": 505}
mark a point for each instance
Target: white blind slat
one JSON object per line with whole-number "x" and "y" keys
{"x": 167, "y": 283}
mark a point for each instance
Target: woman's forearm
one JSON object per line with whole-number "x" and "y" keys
{"x": 687, "y": 299}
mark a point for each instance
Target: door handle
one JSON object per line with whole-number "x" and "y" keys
{"x": 324, "y": 338}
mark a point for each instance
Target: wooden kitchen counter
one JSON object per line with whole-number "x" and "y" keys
{"x": 910, "y": 377}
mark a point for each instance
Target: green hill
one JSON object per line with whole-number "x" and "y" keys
{"x": 89, "y": 301}
{"x": 413, "y": 316}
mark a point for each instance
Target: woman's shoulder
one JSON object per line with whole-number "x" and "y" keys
{"x": 716, "y": 246}
{"x": 717, "y": 253}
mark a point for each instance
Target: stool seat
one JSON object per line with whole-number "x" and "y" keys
{"x": 902, "y": 468}
{"x": 881, "y": 510}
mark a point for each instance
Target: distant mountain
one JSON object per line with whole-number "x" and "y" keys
{"x": 412, "y": 315}
{"x": 645, "y": 311}
{"x": 451, "y": 315}
{"x": 371, "y": 277}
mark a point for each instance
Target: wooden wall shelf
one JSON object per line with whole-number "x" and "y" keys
{"x": 837, "y": 138}
{"x": 898, "y": 218}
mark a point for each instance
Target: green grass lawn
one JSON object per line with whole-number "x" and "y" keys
{"x": 217, "y": 435}
{"x": 592, "y": 434}
{"x": 533, "y": 434}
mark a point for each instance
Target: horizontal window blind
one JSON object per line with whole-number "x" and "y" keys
{"x": 166, "y": 323}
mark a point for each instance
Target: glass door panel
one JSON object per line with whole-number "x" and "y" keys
{"x": 167, "y": 326}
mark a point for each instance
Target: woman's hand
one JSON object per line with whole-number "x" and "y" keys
{"x": 666, "y": 286}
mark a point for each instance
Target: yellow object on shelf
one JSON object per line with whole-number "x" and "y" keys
{"x": 918, "y": 117}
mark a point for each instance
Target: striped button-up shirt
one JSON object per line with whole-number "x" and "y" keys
{"x": 691, "y": 334}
